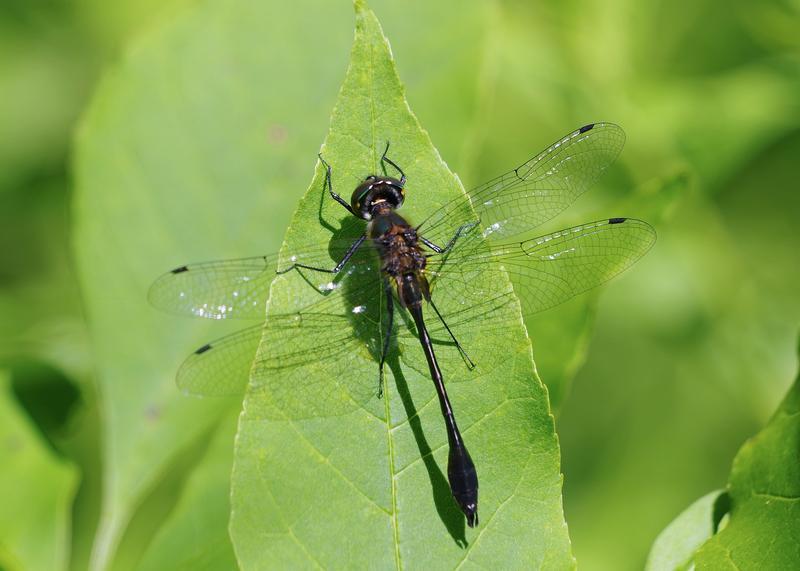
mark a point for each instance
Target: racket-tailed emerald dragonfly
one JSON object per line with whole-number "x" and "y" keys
{"x": 447, "y": 263}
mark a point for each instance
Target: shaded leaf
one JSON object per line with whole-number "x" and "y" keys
{"x": 196, "y": 534}
{"x": 36, "y": 492}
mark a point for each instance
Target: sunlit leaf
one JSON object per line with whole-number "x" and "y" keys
{"x": 674, "y": 547}
{"x": 368, "y": 488}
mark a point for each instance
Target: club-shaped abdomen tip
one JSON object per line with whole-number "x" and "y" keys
{"x": 471, "y": 512}
{"x": 468, "y": 502}
{"x": 463, "y": 483}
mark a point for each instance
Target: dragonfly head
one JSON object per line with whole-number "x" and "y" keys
{"x": 377, "y": 195}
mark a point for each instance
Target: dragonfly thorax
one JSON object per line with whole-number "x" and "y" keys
{"x": 376, "y": 196}
{"x": 402, "y": 260}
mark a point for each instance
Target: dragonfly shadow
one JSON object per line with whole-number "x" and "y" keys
{"x": 350, "y": 229}
{"x": 448, "y": 511}
{"x": 366, "y": 292}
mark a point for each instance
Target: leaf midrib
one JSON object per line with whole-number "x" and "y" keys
{"x": 387, "y": 399}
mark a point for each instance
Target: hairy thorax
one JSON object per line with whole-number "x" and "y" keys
{"x": 401, "y": 256}
{"x": 397, "y": 244}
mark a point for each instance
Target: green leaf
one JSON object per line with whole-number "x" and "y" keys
{"x": 36, "y": 492}
{"x": 674, "y": 547}
{"x": 764, "y": 487}
{"x": 367, "y": 488}
{"x": 560, "y": 339}
{"x": 195, "y": 147}
{"x": 196, "y": 534}
{"x": 760, "y": 511}
{"x": 171, "y": 166}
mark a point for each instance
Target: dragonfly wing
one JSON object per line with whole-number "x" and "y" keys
{"x": 554, "y": 268}
{"x": 236, "y": 288}
{"x": 543, "y": 271}
{"x": 537, "y": 190}
{"x": 548, "y": 270}
{"x": 313, "y": 365}
{"x": 222, "y": 367}
{"x": 216, "y": 290}
{"x": 305, "y": 363}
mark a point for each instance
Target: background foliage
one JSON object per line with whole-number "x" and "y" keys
{"x": 687, "y": 355}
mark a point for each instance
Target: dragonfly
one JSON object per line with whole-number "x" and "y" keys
{"x": 449, "y": 263}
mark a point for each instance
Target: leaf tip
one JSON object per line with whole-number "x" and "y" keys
{"x": 361, "y": 8}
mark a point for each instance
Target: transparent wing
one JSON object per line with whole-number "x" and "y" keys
{"x": 222, "y": 367}
{"x": 306, "y": 362}
{"x": 318, "y": 364}
{"x": 534, "y": 192}
{"x": 548, "y": 270}
{"x": 544, "y": 272}
{"x": 551, "y": 269}
{"x": 322, "y": 360}
{"x": 291, "y": 341}
{"x": 236, "y": 288}
{"x": 216, "y": 290}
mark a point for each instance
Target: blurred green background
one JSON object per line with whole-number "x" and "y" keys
{"x": 686, "y": 355}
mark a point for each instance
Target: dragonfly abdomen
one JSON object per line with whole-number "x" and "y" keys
{"x": 461, "y": 473}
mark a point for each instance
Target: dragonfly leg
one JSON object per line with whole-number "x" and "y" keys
{"x": 388, "y": 335}
{"x": 467, "y": 360}
{"x": 464, "y": 228}
{"x": 337, "y": 268}
{"x": 329, "y": 187}
{"x": 385, "y": 159}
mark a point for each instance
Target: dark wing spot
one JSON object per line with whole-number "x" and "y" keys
{"x": 180, "y": 270}
{"x": 616, "y": 220}
{"x": 203, "y": 349}
{"x": 586, "y": 128}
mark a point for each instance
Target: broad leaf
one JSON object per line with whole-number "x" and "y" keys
{"x": 674, "y": 547}
{"x": 759, "y": 513}
{"x": 36, "y": 493}
{"x": 764, "y": 488}
{"x": 196, "y": 147}
{"x": 367, "y": 487}
{"x": 196, "y": 534}
{"x": 189, "y": 151}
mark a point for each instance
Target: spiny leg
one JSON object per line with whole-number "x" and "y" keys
{"x": 385, "y": 159}
{"x": 329, "y": 186}
{"x": 470, "y": 363}
{"x": 354, "y": 246}
{"x": 336, "y": 269}
{"x": 459, "y": 232}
